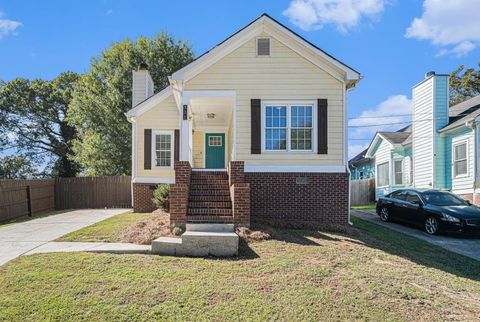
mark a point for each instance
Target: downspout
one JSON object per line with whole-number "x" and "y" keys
{"x": 346, "y": 90}
{"x": 133, "y": 120}
{"x": 349, "y": 196}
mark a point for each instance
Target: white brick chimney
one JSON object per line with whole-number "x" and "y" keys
{"x": 142, "y": 85}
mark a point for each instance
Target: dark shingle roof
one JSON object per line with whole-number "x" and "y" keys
{"x": 463, "y": 112}
{"x": 395, "y": 137}
{"x": 358, "y": 158}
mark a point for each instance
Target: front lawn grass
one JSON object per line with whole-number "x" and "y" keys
{"x": 369, "y": 206}
{"x": 373, "y": 274}
{"x": 109, "y": 230}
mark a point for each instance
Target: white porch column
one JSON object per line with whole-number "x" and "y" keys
{"x": 185, "y": 134}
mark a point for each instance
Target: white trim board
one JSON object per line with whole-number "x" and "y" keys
{"x": 295, "y": 169}
{"x": 153, "y": 180}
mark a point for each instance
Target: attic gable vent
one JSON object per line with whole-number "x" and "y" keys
{"x": 263, "y": 46}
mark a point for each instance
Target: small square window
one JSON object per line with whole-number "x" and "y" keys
{"x": 214, "y": 141}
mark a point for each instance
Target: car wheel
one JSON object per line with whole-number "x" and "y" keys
{"x": 385, "y": 214}
{"x": 432, "y": 225}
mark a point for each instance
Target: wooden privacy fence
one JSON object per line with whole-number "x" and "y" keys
{"x": 362, "y": 192}
{"x": 28, "y": 197}
{"x": 25, "y": 197}
{"x": 93, "y": 192}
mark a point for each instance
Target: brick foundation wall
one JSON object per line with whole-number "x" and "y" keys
{"x": 142, "y": 197}
{"x": 299, "y": 197}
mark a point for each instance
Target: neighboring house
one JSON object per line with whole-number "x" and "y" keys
{"x": 439, "y": 149}
{"x": 361, "y": 167}
{"x": 266, "y": 110}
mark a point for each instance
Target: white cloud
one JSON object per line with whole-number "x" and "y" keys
{"x": 454, "y": 26}
{"x": 390, "y": 115}
{"x": 354, "y": 149}
{"x": 344, "y": 14}
{"x": 8, "y": 27}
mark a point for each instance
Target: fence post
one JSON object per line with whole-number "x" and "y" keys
{"x": 29, "y": 200}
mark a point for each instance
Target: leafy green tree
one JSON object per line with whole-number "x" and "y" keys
{"x": 33, "y": 121}
{"x": 464, "y": 84}
{"x": 104, "y": 95}
{"x": 16, "y": 167}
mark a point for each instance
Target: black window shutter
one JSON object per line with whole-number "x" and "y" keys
{"x": 256, "y": 126}
{"x": 177, "y": 145}
{"x": 147, "y": 149}
{"x": 322, "y": 126}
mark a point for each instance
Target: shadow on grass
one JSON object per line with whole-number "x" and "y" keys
{"x": 415, "y": 250}
{"x": 389, "y": 241}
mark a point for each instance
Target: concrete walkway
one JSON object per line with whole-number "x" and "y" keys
{"x": 115, "y": 248}
{"x": 463, "y": 246}
{"x": 18, "y": 239}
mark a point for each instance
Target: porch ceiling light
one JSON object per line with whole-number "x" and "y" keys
{"x": 211, "y": 115}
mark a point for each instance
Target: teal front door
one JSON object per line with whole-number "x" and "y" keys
{"x": 215, "y": 150}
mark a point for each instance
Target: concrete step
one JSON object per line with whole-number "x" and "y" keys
{"x": 198, "y": 244}
{"x": 228, "y": 228}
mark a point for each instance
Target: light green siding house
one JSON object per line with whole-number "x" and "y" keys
{"x": 439, "y": 149}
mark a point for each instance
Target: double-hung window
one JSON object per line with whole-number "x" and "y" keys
{"x": 163, "y": 149}
{"x": 288, "y": 127}
{"x": 460, "y": 162}
{"x": 398, "y": 168}
{"x": 383, "y": 176}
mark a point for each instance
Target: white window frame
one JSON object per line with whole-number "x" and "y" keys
{"x": 270, "y": 46}
{"x": 289, "y": 104}
{"x": 377, "y": 175}
{"x": 215, "y": 136}
{"x": 466, "y": 174}
{"x": 395, "y": 183}
{"x": 154, "y": 150}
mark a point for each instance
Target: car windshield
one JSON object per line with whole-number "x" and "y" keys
{"x": 442, "y": 199}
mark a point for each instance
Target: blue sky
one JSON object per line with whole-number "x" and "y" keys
{"x": 391, "y": 42}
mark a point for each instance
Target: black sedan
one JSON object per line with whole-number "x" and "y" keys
{"x": 433, "y": 210}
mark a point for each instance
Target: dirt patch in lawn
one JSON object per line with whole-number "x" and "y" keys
{"x": 255, "y": 234}
{"x": 146, "y": 230}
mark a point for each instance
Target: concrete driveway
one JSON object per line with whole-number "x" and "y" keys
{"x": 465, "y": 246}
{"x": 18, "y": 239}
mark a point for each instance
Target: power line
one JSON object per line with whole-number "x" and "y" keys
{"x": 400, "y": 115}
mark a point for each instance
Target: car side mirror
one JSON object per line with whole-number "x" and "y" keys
{"x": 468, "y": 202}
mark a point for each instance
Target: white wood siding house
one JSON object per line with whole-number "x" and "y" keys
{"x": 265, "y": 103}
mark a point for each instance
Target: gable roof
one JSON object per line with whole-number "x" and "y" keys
{"x": 461, "y": 113}
{"x": 395, "y": 137}
{"x": 246, "y": 33}
{"x": 221, "y": 50}
{"x": 150, "y": 102}
{"x": 358, "y": 158}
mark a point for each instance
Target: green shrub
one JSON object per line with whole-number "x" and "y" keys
{"x": 160, "y": 197}
{"x": 177, "y": 231}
